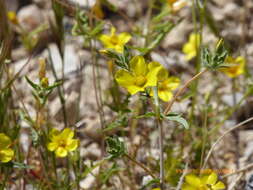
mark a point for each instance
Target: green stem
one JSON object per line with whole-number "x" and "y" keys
{"x": 161, "y": 135}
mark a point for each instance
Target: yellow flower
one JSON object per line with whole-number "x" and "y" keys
{"x": 176, "y": 5}
{"x": 6, "y": 153}
{"x": 12, "y": 17}
{"x": 191, "y": 47}
{"x": 97, "y": 10}
{"x": 165, "y": 85}
{"x": 236, "y": 68}
{"x": 62, "y": 142}
{"x": 192, "y": 182}
{"x": 114, "y": 41}
{"x": 140, "y": 76}
{"x": 209, "y": 182}
{"x": 213, "y": 183}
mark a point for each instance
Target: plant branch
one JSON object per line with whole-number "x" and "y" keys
{"x": 181, "y": 91}
{"x": 221, "y": 137}
{"x": 141, "y": 166}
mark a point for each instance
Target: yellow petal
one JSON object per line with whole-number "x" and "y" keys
{"x": 6, "y": 155}
{"x": 162, "y": 74}
{"x": 12, "y": 17}
{"x": 186, "y": 186}
{"x": 73, "y": 145}
{"x": 124, "y": 78}
{"x": 5, "y": 141}
{"x": 138, "y": 66}
{"x": 105, "y": 39}
{"x": 124, "y": 37}
{"x": 61, "y": 152}
{"x": 212, "y": 179}
{"x": 154, "y": 69}
{"x": 67, "y": 133}
{"x": 53, "y": 133}
{"x": 173, "y": 83}
{"x": 155, "y": 65}
{"x": 165, "y": 95}
{"x": 195, "y": 39}
{"x": 218, "y": 186}
{"x": 97, "y": 10}
{"x": 117, "y": 48}
{"x": 237, "y": 66}
{"x": 113, "y": 30}
{"x": 189, "y": 51}
{"x": 193, "y": 180}
{"x": 190, "y": 48}
{"x": 52, "y": 146}
{"x": 134, "y": 89}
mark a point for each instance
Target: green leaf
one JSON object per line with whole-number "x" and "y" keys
{"x": 21, "y": 165}
{"x": 146, "y": 115}
{"x": 32, "y": 84}
{"x": 56, "y": 84}
{"x": 216, "y": 59}
{"x": 88, "y": 169}
{"x": 115, "y": 147}
{"x": 121, "y": 121}
{"x": 106, "y": 175}
{"x": 177, "y": 118}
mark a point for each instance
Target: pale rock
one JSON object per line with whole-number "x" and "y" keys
{"x": 30, "y": 17}
{"x": 229, "y": 100}
{"x": 92, "y": 151}
{"x": 71, "y": 59}
{"x": 24, "y": 141}
{"x": 222, "y": 2}
{"x": 178, "y": 35}
{"x": 83, "y": 3}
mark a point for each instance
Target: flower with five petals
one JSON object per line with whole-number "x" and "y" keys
{"x": 139, "y": 76}
{"x": 62, "y": 142}
{"x": 115, "y": 41}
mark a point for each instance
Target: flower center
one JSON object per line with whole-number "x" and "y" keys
{"x": 62, "y": 143}
{"x": 162, "y": 86}
{"x": 140, "y": 80}
{"x": 114, "y": 40}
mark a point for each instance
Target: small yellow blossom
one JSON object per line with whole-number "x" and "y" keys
{"x": 114, "y": 41}
{"x": 166, "y": 85}
{"x": 62, "y": 142}
{"x": 208, "y": 182}
{"x": 12, "y": 17}
{"x": 176, "y": 5}
{"x": 97, "y": 10}
{"x": 213, "y": 183}
{"x": 140, "y": 76}
{"x": 236, "y": 68}
{"x": 6, "y": 153}
{"x": 191, "y": 47}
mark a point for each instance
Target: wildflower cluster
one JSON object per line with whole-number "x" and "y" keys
{"x": 207, "y": 182}
{"x": 138, "y": 87}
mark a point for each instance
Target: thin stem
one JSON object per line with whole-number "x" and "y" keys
{"x": 221, "y": 137}
{"x": 161, "y": 138}
{"x": 181, "y": 91}
{"x": 141, "y": 166}
{"x": 161, "y": 135}
{"x": 244, "y": 169}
